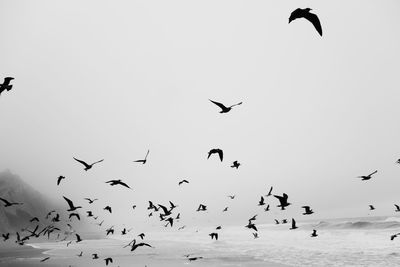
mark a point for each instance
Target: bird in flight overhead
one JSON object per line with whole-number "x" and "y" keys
{"x": 117, "y": 182}
{"x": 45, "y": 259}
{"x": 202, "y": 208}
{"x": 397, "y": 208}
{"x": 216, "y": 151}
{"x": 87, "y": 166}
{"x": 214, "y": 235}
{"x": 223, "y": 108}
{"x": 314, "y": 233}
{"x": 283, "y": 201}
{"x": 90, "y": 200}
{"x": 371, "y": 207}
{"x": 108, "y": 208}
{"x": 71, "y": 205}
{"x": 235, "y": 164}
{"x": 59, "y": 179}
{"x": 108, "y": 260}
{"x": 9, "y": 204}
{"x": 143, "y": 161}
{"x": 261, "y": 202}
{"x": 6, "y": 84}
{"x": 293, "y": 225}
{"x": 307, "y": 210}
{"x": 183, "y": 181}
{"x": 231, "y": 197}
{"x": 311, "y": 17}
{"x": 269, "y": 192}
{"x": 367, "y": 177}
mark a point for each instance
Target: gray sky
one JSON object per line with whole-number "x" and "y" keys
{"x": 99, "y": 79}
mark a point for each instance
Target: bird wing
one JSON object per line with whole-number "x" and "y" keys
{"x": 270, "y": 191}
{"x": 82, "y": 162}
{"x": 59, "y": 180}
{"x": 70, "y": 204}
{"x": 5, "y": 201}
{"x": 221, "y": 154}
{"x": 397, "y": 206}
{"x": 164, "y": 208}
{"x": 97, "y": 161}
{"x": 373, "y": 173}
{"x": 219, "y": 104}
{"x": 148, "y": 151}
{"x": 293, "y": 223}
{"x": 315, "y": 21}
{"x": 124, "y": 184}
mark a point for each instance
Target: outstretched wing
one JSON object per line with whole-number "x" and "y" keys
{"x": 219, "y": 104}
{"x": 70, "y": 204}
{"x": 5, "y": 201}
{"x": 82, "y": 162}
{"x": 221, "y": 154}
{"x": 97, "y": 161}
{"x": 270, "y": 191}
{"x": 315, "y": 21}
{"x": 124, "y": 184}
{"x": 148, "y": 151}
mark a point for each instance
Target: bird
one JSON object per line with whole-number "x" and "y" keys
{"x": 71, "y": 205}
{"x": 267, "y": 208}
{"x": 170, "y": 221}
{"x": 89, "y": 213}
{"x": 367, "y": 177}
{"x": 253, "y": 218}
{"x": 108, "y": 208}
{"x": 95, "y": 256}
{"x": 371, "y": 207}
{"x": 56, "y": 218}
{"x": 225, "y": 209}
{"x": 178, "y": 216}
{"x": 172, "y": 205}
{"x": 183, "y": 181}
{"x": 142, "y": 235}
{"x": 5, "y": 236}
{"x": 202, "y": 208}
{"x": 269, "y": 192}
{"x": 214, "y": 235}
{"x": 283, "y": 201}
{"x": 100, "y": 224}
{"x": 218, "y": 228}
{"x": 143, "y": 161}
{"x": 134, "y": 207}
{"x": 223, "y": 108}
{"x": 59, "y": 179}
{"x": 117, "y": 182}
{"x": 90, "y": 200}
{"x": 251, "y": 225}
{"x": 394, "y": 236}
{"x": 307, "y": 210}
{"x": 9, "y": 204}
{"x": 108, "y": 260}
{"x": 45, "y": 259}
{"x": 311, "y": 17}
{"x": 397, "y": 208}
{"x": 80, "y": 254}
{"x": 76, "y": 215}
{"x": 255, "y": 235}
{"x": 135, "y": 246}
{"x": 276, "y": 221}
{"x": 87, "y": 166}
{"x": 110, "y": 230}
{"x": 284, "y": 221}
{"x": 231, "y": 197}
{"x": 235, "y": 164}
{"x": 261, "y": 202}
{"x": 314, "y": 233}
{"x": 293, "y": 225}
{"x": 194, "y": 258}
{"x": 216, "y": 151}
{"x": 6, "y": 84}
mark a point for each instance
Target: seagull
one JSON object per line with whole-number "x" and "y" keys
{"x": 235, "y": 164}
{"x": 59, "y": 179}
{"x": 261, "y": 202}
{"x": 142, "y": 235}
{"x": 202, "y": 208}
{"x": 283, "y": 201}
{"x": 276, "y": 221}
{"x": 267, "y": 208}
{"x": 89, "y": 213}
{"x": 270, "y": 192}
{"x": 6, "y": 236}
{"x": 135, "y": 246}
{"x": 284, "y": 221}
{"x": 397, "y": 208}
{"x": 76, "y": 215}
{"x": 311, "y": 17}
{"x": 314, "y": 233}
{"x": 216, "y": 151}
{"x": 80, "y": 254}
{"x": 308, "y": 210}
{"x": 100, "y": 224}
{"x": 183, "y": 181}
{"x": 251, "y": 225}
{"x": 9, "y": 204}
{"x": 214, "y": 235}
{"x": 90, "y": 200}
{"x": 110, "y": 230}
{"x": 394, "y": 236}
{"x": 194, "y": 258}
{"x": 225, "y": 209}
{"x": 108, "y": 208}
{"x": 71, "y": 205}
{"x": 253, "y": 218}
{"x": 6, "y": 84}
{"x": 95, "y": 256}
{"x": 223, "y": 108}
{"x": 218, "y": 228}
{"x": 170, "y": 221}
{"x": 117, "y": 182}
{"x": 293, "y": 225}
{"x": 87, "y": 166}
{"x": 232, "y": 197}
{"x": 371, "y": 207}
{"x": 143, "y": 161}
{"x": 108, "y": 260}
{"x": 367, "y": 177}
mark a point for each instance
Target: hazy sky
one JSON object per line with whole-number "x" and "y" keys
{"x": 106, "y": 79}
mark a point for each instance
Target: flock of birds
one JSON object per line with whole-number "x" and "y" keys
{"x": 166, "y": 213}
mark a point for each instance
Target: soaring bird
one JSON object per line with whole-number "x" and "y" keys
{"x": 255, "y": 235}
{"x": 80, "y": 254}
{"x": 253, "y": 218}
{"x": 307, "y": 210}
{"x": 6, "y": 84}
{"x": 110, "y": 230}
{"x": 78, "y": 238}
{"x": 90, "y": 200}
{"x": 276, "y": 221}
{"x": 251, "y": 225}
{"x": 283, "y": 201}
{"x": 9, "y": 204}
{"x": 45, "y": 259}
{"x": 95, "y": 256}
{"x": 142, "y": 235}
{"x": 314, "y": 233}
{"x": 117, "y": 182}
{"x": 74, "y": 214}
{"x": 223, "y": 108}
{"x": 143, "y": 161}
{"x": 169, "y": 221}
{"x": 89, "y": 213}
{"x": 6, "y": 236}
{"x": 108, "y": 208}
{"x": 371, "y": 207}
{"x": 293, "y": 225}
{"x": 216, "y": 151}
{"x": 87, "y": 166}
{"x": 269, "y": 192}
{"x": 235, "y": 164}
{"x": 183, "y": 181}
{"x": 214, "y": 235}
{"x": 108, "y": 260}
{"x": 267, "y": 208}
{"x": 202, "y": 208}
{"x": 367, "y": 177}
{"x": 311, "y": 17}
{"x": 59, "y": 179}
{"x": 194, "y": 258}
{"x": 232, "y": 197}
{"x": 135, "y": 246}
{"x": 34, "y": 219}
{"x": 397, "y": 208}
{"x": 261, "y": 202}
{"x": 394, "y": 236}
{"x": 71, "y": 205}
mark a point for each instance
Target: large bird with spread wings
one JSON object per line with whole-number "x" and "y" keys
{"x": 306, "y": 14}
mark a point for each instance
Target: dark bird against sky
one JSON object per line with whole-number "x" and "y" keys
{"x": 311, "y": 17}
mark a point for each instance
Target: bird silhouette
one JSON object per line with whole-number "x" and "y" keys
{"x": 251, "y": 225}
{"x": 202, "y": 208}
{"x": 307, "y": 210}
{"x": 6, "y": 84}
{"x": 397, "y": 208}
{"x": 223, "y": 108}
{"x": 214, "y": 235}
{"x": 314, "y": 233}
{"x": 218, "y": 228}
{"x": 110, "y": 230}
{"x": 89, "y": 213}
{"x": 394, "y": 236}
{"x": 371, "y": 207}
{"x": 143, "y": 161}
{"x": 269, "y": 192}
{"x": 267, "y": 208}
{"x": 117, "y": 182}
{"x": 293, "y": 225}
{"x": 169, "y": 221}
{"x": 255, "y": 235}
{"x": 194, "y": 258}
{"x": 183, "y": 181}
{"x": 367, "y": 177}
{"x": 45, "y": 259}
{"x": 90, "y": 200}
{"x": 134, "y": 246}
{"x": 34, "y": 219}
{"x": 311, "y": 17}
{"x": 108, "y": 208}
{"x": 108, "y": 260}
{"x": 235, "y": 164}
{"x": 74, "y": 214}
{"x": 284, "y": 221}
{"x": 253, "y": 218}
{"x": 80, "y": 254}
{"x": 231, "y": 196}
{"x": 261, "y": 202}
{"x": 59, "y": 179}
{"x": 283, "y": 201}
{"x": 276, "y": 221}
{"x": 142, "y": 235}
{"x": 216, "y": 151}
{"x": 71, "y": 205}
{"x": 225, "y": 209}
{"x": 87, "y": 166}
{"x": 95, "y": 256}
{"x": 9, "y": 204}
{"x": 6, "y": 236}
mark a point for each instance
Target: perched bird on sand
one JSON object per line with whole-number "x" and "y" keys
{"x": 311, "y": 17}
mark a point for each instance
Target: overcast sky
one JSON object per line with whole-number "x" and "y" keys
{"x": 106, "y": 79}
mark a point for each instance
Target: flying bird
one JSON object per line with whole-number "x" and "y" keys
{"x": 283, "y": 201}
{"x": 117, "y": 182}
{"x": 307, "y": 210}
{"x": 261, "y": 202}
{"x": 267, "y": 208}
{"x": 214, "y": 235}
{"x": 397, "y": 208}
{"x": 90, "y": 200}
{"x": 45, "y": 259}
{"x": 108, "y": 260}
{"x": 314, "y": 233}
{"x": 216, "y": 151}
{"x": 293, "y": 225}
{"x": 251, "y": 225}
{"x": 371, "y": 207}
{"x": 80, "y": 254}
{"x": 231, "y": 197}
{"x": 311, "y": 17}
{"x": 143, "y": 161}
{"x": 9, "y": 204}
{"x": 6, "y": 84}
{"x": 183, "y": 181}
{"x": 87, "y": 166}
{"x": 74, "y": 214}
{"x": 269, "y": 192}
{"x": 202, "y": 208}
{"x": 95, "y": 256}
{"x": 367, "y": 177}
{"x": 71, "y": 205}
{"x": 34, "y": 219}
{"x": 223, "y": 108}
{"x": 59, "y": 179}
{"x": 225, "y": 209}
{"x": 6, "y": 236}
{"x": 108, "y": 208}
{"x": 235, "y": 164}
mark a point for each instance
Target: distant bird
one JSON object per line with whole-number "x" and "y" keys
{"x": 214, "y": 235}
{"x": 371, "y": 207}
{"x": 202, "y": 208}
{"x": 90, "y": 200}
{"x": 123, "y": 232}
{"x": 110, "y": 230}
{"x": 232, "y": 197}
{"x": 172, "y": 205}
{"x": 142, "y": 235}
{"x": 74, "y": 214}
{"x": 253, "y": 218}
{"x": 117, "y": 182}
{"x": 367, "y": 177}
{"x": 80, "y": 254}
{"x": 9, "y": 204}
{"x": 267, "y": 208}
{"x": 194, "y": 258}
{"x": 108, "y": 208}
{"x": 314, "y": 233}
{"x": 284, "y": 221}
{"x": 216, "y": 151}
{"x": 183, "y": 181}
{"x": 394, "y": 236}
{"x": 6, "y": 84}
{"x": 143, "y": 161}
{"x": 178, "y": 216}
{"x": 133, "y": 207}
{"x": 225, "y": 209}
{"x": 398, "y": 161}
{"x": 283, "y": 201}
{"x": 135, "y": 246}
{"x": 100, "y": 224}
{"x": 71, "y": 205}
{"x": 34, "y": 219}
{"x": 251, "y": 225}
{"x": 95, "y": 256}
{"x": 45, "y": 259}
{"x": 56, "y": 218}
{"x": 182, "y": 227}
{"x": 255, "y": 235}
{"x": 5, "y": 236}
{"x": 293, "y": 225}
{"x": 89, "y": 213}
{"x": 311, "y": 17}
{"x": 235, "y": 164}
{"x": 307, "y": 210}
{"x": 108, "y": 260}
{"x": 59, "y": 179}
{"x": 218, "y": 228}
{"x": 223, "y": 108}
{"x": 397, "y": 208}
{"x": 87, "y": 166}
{"x": 49, "y": 213}
{"x": 169, "y": 221}
{"x": 261, "y": 202}
{"x": 269, "y": 192}
{"x": 276, "y": 221}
